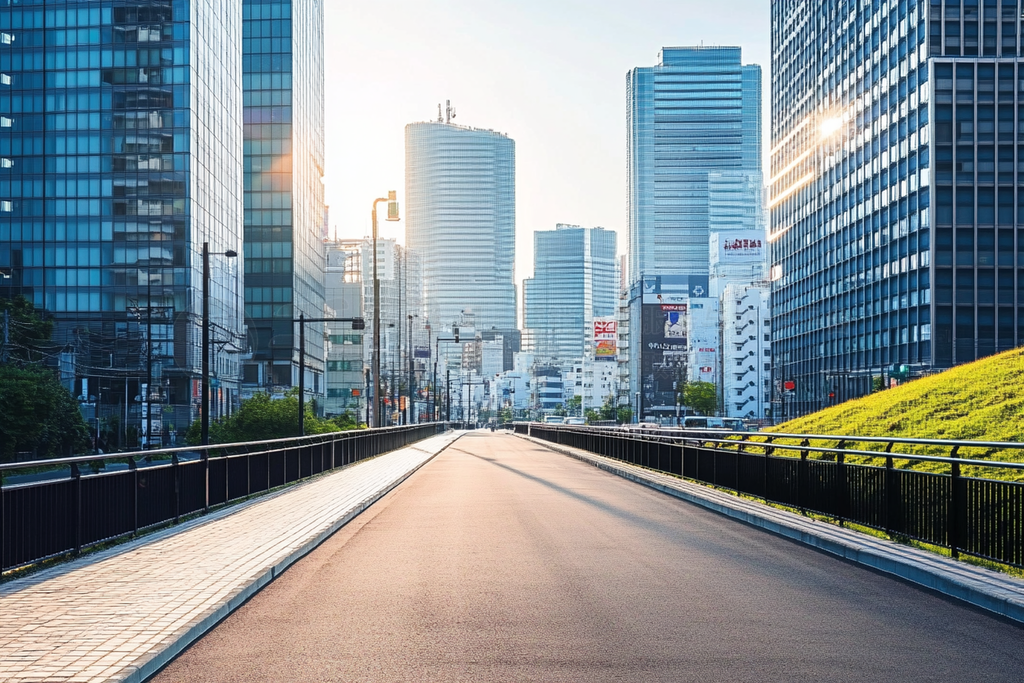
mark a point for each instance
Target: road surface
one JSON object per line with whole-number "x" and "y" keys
{"x": 503, "y": 561}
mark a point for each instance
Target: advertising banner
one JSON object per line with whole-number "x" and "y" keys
{"x": 663, "y": 356}
{"x": 736, "y": 247}
{"x": 606, "y": 339}
{"x": 673, "y": 289}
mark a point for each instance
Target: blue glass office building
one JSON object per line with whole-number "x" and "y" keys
{"x": 894, "y": 200}
{"x": 283, "y": 84}
{"x": 574, "y": 281}
{"x": 694, "y": 168}
{"x": 120, "y": 154}
{"x": 460, "y": 189}
{"x": 694, "y": 127}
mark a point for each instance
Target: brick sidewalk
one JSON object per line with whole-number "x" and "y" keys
{"x": 121, "y": 614}
{"x": 991, "y": 590}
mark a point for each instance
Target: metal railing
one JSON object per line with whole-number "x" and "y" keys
{"x": 74, "y": 503}
{"x": 971, "y": 515}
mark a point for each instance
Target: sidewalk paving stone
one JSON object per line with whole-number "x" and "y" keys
{"x": 121, "y": 614}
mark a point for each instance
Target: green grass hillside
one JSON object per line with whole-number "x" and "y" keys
{"x": 982, "y": 401}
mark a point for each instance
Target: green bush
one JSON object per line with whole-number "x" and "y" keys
{"x": 261, "y": 418}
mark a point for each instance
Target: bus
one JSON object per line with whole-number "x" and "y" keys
{"x": 733, "y": 424}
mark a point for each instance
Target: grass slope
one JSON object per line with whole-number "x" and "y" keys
{"x": 982, "y": 401}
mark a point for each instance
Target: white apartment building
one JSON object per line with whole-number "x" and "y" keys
{"x": 746, "y": 351}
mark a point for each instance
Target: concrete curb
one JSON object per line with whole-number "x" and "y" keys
{"x": 153, "y": 666}
{"x": 977, "y": 586}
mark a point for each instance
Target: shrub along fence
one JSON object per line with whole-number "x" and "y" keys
{"x": 82, "y": 501}
{"x": 977, "y": 515}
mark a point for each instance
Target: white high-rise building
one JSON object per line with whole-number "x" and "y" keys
{"x": 460, "y": 218}
{"x": 746, "y": 351}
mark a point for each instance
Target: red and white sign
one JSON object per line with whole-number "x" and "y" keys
{"x": 605, "y": 329}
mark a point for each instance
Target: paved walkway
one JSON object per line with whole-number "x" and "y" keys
{"x": 503, "y": 561}
{"x": 985, "y": 588}
{"x": 121, "y": 614}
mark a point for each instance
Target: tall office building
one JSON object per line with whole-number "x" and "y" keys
{"x": 574, "y": 281}
{"x": 460, "y": 217}
{"x": 345, "y": 379}
{"x": 283, "y": 82}
{"x": 694, "y": 156}
{"x": 120, "y": 155}
{"x": 694, "y": 170}
{"x": 894, "y": 200}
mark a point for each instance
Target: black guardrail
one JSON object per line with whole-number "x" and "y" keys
{"x": 978, "y": 516}
{"x": 82, "y": 501}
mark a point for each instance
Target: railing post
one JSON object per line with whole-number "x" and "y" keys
{"x": 177, "y": 488}
{"x": 892, "y": 500}
{"x": 801, "y": 478}
{"x": 133, "y": 467}
{"x": 954, "y": 533}
{"x": 206, "y": 481}
{"x": 76, "y": 505}
{"x": 842, "y": 507}
{"x": 768, "y": 451}
{"x": 3, "y": 535}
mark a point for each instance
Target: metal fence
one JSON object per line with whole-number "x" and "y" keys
{"x": 977, "y": 516}
{"x": 82, "y": 501}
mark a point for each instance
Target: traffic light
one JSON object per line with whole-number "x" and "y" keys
{"x": 358, "y": 324}
{"x": 455, "y": 333}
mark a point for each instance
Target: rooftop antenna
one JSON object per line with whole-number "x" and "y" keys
{"x": 439, "y": 117}
{"x": 449, "y": 111}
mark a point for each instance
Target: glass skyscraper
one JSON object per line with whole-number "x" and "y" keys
{"x": 283, "y": 84}
{"x": 460, "y": 218}
{"x": 694, "y": 126}
{"x": 120, "y": 155}
{"x": 895, "y": 201}
{"x": 574, "y": 281}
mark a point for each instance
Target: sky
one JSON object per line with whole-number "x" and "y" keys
{"x": 551, "y": 75}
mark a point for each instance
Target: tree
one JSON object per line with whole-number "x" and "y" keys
{"x": 624, "y": 415}
{"x": 608, "y": 410}
{"x": 37, "y": 412}
{"x": 591, "y": 415}
{"x": 701, "y": 397}
{"x": 573, "y": 405}
{"x": 261, "y": 418}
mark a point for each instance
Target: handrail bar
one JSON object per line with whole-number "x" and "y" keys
{"x": 963, "y": 443}
{"x": 825, "y": 449}
{"x": 299, "y": 440}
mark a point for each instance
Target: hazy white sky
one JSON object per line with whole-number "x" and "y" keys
{"x": 551, "y": 74}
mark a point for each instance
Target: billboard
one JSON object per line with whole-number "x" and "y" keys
{"x": 673, "y": 289}
{"x": 663, "y": 357}
{"x": 737, "y": 247}
{"x": 606, "y": 332}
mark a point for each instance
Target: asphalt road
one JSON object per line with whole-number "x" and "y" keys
{"x": 503, "y": 561}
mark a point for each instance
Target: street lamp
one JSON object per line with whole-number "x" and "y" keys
{"x": 205, "y": 395}
{"x": 392, "y": 201}
{"x": 409, "y": 409}
{"x": 357, "y": 324}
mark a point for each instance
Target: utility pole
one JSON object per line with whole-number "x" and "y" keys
{"x": 392, "y": 201}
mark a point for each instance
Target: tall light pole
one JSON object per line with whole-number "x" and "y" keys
{"x": 411, "y": 349}
{"x": 392, "y": 201}
{"x": 205, "y": 394}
